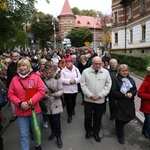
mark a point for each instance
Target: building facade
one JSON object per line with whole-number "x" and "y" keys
{"x": 131, "y": 26}
{"x": 67, "y": 21}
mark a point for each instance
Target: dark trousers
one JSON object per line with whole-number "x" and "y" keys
{"x": 146, "y": 126}
{"x": 70, "y": 100}
{"x": 120, "y": 128}
{"x": 93, "y": 117}
{"x": 55, "y": 124}
{"x": 1, "y": 143}
{"x": 112, "y": 106}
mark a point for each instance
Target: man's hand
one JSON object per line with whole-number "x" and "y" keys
{"x": 95, "y": 97}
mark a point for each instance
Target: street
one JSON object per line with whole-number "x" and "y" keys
{"x": 73, "y": 135}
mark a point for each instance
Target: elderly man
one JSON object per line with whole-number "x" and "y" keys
{"x": 11, "y": 72}
{"x": 95, "y": 83}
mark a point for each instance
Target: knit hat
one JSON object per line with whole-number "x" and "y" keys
{"x": 69, "y": 59}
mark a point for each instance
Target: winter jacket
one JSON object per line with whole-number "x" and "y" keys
{"x": 144, "y": 94}
{"x": 95, "y": 83}
{"x": 66, "y": 76}
{"x": 17, "y": 93}
{"x": 11, "y": 72}
{"x": 125, "y": 110}
{"x": 54, "y": 104}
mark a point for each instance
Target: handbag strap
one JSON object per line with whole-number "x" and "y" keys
{"x": 50, "y": 89}
{"x": 76, "y": 72}
{"x": 22, "y": 85}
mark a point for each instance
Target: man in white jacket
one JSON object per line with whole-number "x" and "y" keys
{"x": 95, "y": 83}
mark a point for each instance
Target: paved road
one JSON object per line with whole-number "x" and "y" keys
{"x": 73, "y": 135}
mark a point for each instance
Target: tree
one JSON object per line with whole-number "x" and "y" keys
{"x": 80, "y": 35}
{"x": 12, "y": 14}
{"x": 85, "y": 12}
{"x": 42, "y": 27}
{"x": 105, "y": 21}
{"x": 75, "y": 11}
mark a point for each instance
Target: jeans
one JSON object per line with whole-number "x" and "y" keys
{"x": 25, "y": 124}
{"x": 45, "y": 117}
{"x": 146, "y": 126}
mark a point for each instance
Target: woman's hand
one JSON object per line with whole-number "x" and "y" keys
{"x": 54, "y": 94}
{"x": 128, "y": 95}
{"x": 25, "y": 105}
{"x": 72, "y": 81}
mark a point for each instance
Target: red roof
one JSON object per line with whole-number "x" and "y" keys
{"x": 91, "y": 22}
{"x": 66, "y": 9}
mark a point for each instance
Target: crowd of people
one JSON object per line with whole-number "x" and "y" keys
{"x": 55, "y": 77}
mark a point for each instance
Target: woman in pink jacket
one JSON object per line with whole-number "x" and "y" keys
{"x": 70, "y": 77}
{"x": 24, "y": 86}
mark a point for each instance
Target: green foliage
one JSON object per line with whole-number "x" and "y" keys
{"x": 80, "y": 35}
{"x": 43, "y": 28}
{"x": 12, "y": 15}
{"x": 139, "y": 63}
{"x": 85, "y": 12}
{"x": 75, "y": 11}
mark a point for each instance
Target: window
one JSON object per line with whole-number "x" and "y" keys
{"x": 143, "y": 5}
{"x": 131, "y": 36}
{"x": 99, "y": 35}
{"x": 130, "y": 11}
{"x": 115, "y": 17}
{"x": 116, "y": 37}
{"x": 143, "y": 32}
{"x": 65, "y": 33}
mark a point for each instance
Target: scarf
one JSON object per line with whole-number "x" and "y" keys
{"x": 23, "y": 76}
{"x": 70, "y": 68}
{"x": 125, "y": 86}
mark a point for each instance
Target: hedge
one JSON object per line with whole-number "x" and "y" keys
{"x": 137, "y": 62}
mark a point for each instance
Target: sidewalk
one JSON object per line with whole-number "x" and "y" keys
{"x": 139, "y": 114}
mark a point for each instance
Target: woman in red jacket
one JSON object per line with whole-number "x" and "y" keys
{"x": 24, "y": 86}
{"x": 144, "y": 94}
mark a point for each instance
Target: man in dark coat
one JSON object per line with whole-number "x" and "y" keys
{"x": 11, "y": 72}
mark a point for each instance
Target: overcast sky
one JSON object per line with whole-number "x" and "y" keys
{"x": 55, "y": 6}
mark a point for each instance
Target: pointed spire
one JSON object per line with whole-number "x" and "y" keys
{"x": 66, "y": 9}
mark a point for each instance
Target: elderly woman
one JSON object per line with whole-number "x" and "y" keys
{"x": 24, "y": 87}
{"x": 123, "y": 90}
{"x": 70, "y": 77}
{"x": 81, "y": 66}
{"x": 54, "y": 90}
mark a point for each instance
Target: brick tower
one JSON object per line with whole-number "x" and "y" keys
{"x": 66, "y": 20}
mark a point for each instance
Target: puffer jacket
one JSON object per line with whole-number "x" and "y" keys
{"x": 144, "y": 94}
{"x": 54, "y": 104}
{"x": 17, "y": 93}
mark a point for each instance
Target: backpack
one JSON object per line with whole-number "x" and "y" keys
{"x": 3, "y": 98}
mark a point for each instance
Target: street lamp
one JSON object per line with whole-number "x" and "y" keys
{"x": 53, "y": 23}
{"x": 94, "y": 37}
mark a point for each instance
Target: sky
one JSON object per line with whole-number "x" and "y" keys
{"x": 55, "y": 6}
